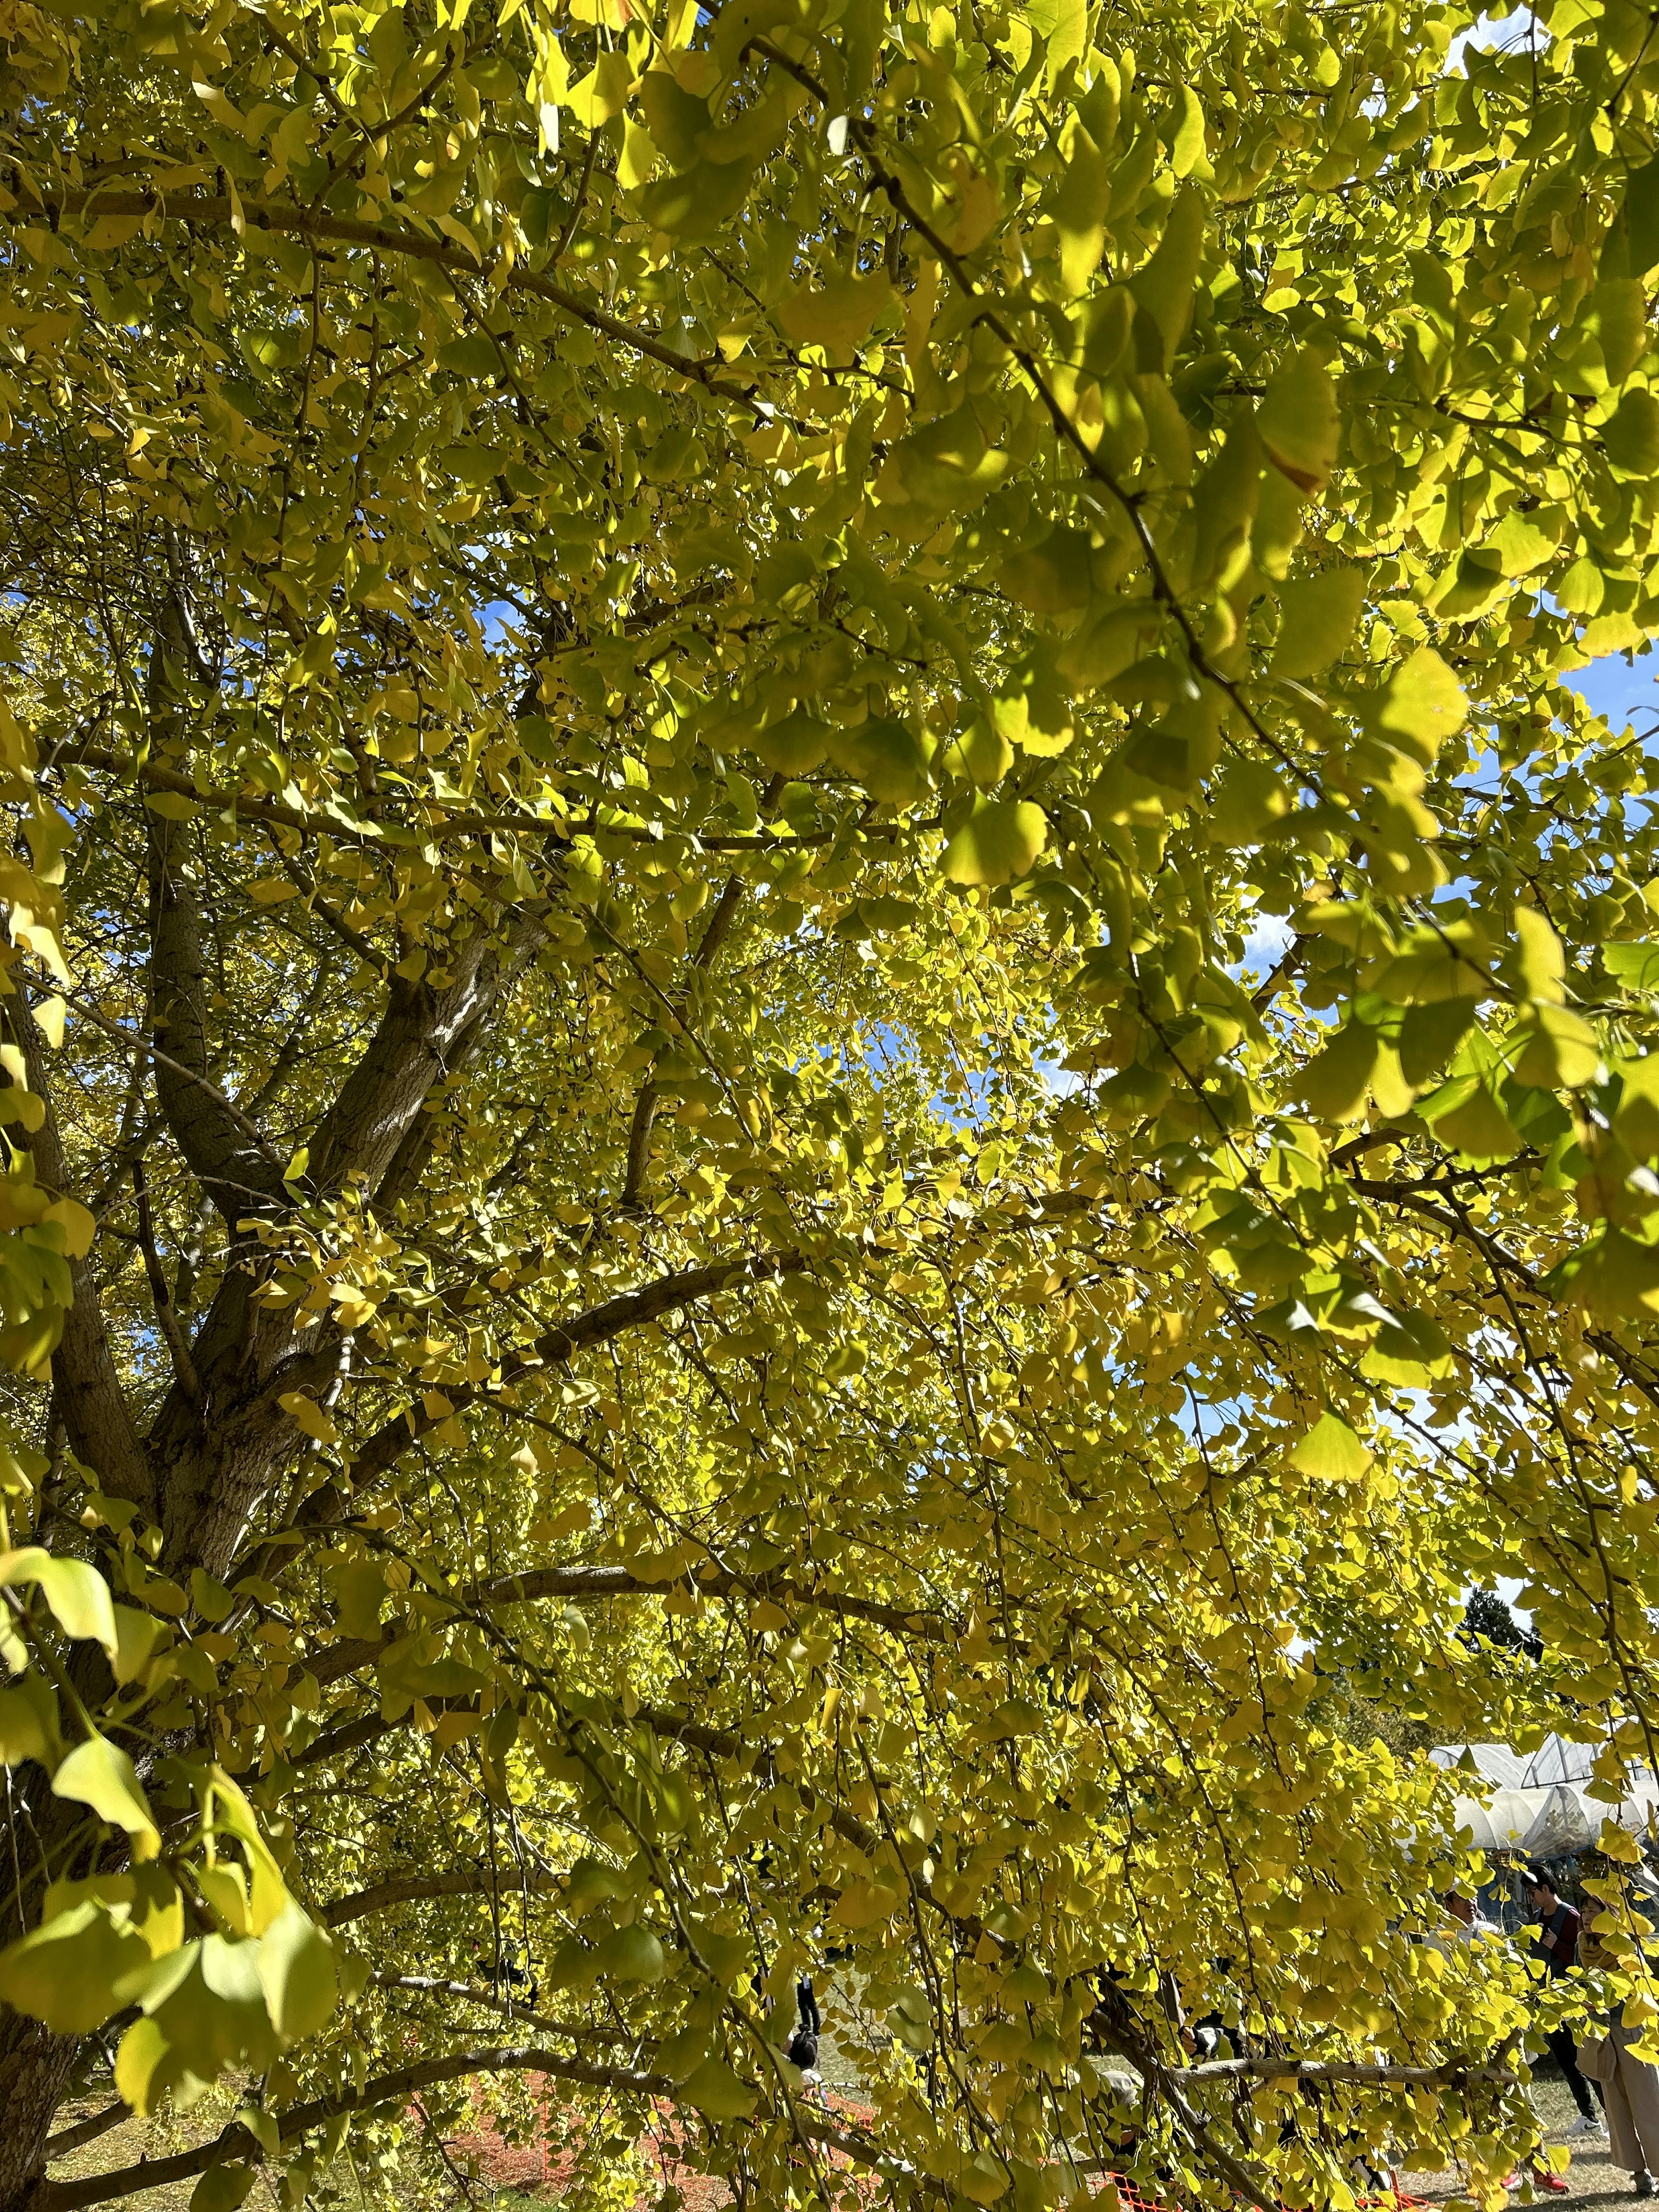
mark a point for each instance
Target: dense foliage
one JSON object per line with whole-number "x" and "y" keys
{"x": 824, "y": 1043}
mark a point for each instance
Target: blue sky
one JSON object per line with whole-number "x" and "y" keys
{"x": 1617, "y": 690}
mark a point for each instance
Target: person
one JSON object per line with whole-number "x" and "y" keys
{"x": 802, "y": 2048}
{"x": 1557, "y": 1944}
{"x": 1631, "y": 2085}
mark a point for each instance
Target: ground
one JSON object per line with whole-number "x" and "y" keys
{"x": 511, "y": 2180}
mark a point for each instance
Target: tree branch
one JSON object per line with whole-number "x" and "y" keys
{"x": 97, "y": 1417}
{"x": 208, "y": 211}
{"x": 182, "y": 1366}
{"x": 576, "y": 2031}
{"x": 561, "y": 1343}
{"x": 87, "y": 2131}
{"x": 421, "y": 1888}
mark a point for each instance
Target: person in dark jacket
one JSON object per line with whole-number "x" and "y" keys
{"x": 1557, "y": 1944}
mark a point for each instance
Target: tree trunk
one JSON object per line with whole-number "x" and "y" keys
{"x": 35, "y": 2071}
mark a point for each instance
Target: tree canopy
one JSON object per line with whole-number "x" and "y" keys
{"x": 824, "y": 1031}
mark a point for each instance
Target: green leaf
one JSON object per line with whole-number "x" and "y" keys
{"x": 1317, "y": 616}
{"x": 1616, "y": 1279}
{"x": 100, "y": 1774}
{"x": 1063, "y": 26}
{"x": 1335, "y": 1085}
{"x": 1631, "y": 436}
{"x": 1562, "y": 1050}
{"x": 1430, "y": 1033}
{"x": 717, "y": 2093}
{"x": 1637, "y": 966}
{"x": 77, "y": 1594}
{"x": 981, "y": 754}
{"x": 71, "y": 1971}
{"x": 222, "y": 2188}
{"x": 1520, "y": 545}
{"x": 1465, "y": 1115}
{"x": 297, "y": 1973}
{"x": 1331, "y": 1452}
{"x": 837, "y": 313}
{"x": 360, "y": 1591}
{"x": 698, "y": 202}
{"x": 997, "y": 843}
{"x": 1165, "y": 287}
{"x": 794, "y": 745}
{"x": 1299, "y": 421}
{"x": 887, "y": 758}
{"x": 211, "y": 1600}
{"x": 630, "y": 1955}
{"x": 1641, "y": 213}
{"x": 28, "y": 1723}
{"x": 1051, "y": 577}
{"x": 674, "y": 117}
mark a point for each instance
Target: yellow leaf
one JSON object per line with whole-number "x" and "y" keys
{"x": 28, "y": 1723}
{"x": 997, "y": 843}
{"x": 308, "y": 1415}
{"x": 1562, "y": 1050}
{"x": 296, "y": 1972}
{"x": 1331, "y": 1452}
{"x": 143, "y": 2048}
{"x": 69, "y": 1973}
{"x": 1541, "y": 961}
{"x": 271, "y": 891}
{"x": 1422, "y": 706}
{"x": 78, "y": 1225}
{"x": 1080, "y": 213}
{"x": 603, "y": 92}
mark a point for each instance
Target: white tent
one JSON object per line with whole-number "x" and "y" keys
{"x": 1541, "y": 1804}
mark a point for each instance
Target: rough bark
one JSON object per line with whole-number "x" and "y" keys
{"x": 34, "y": 2073}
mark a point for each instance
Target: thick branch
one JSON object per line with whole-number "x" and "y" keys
{"x": 598, "y": 1582}
{"x": 208, "y": 211}
{"x": 561, "y": 1343}
{"x": 1339, "y": 2069}
{"x": 451, "y": 829}
{"x": 574, "y": 2031}
{"x": 87, "y": 2131}
{"x": 236, "y": 1171}
{"x": 420, "y": 1888}
{"x": 182, "y": 1366}
{"x": 96, "y": 1414}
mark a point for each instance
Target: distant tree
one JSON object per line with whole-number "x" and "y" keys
{"x": 1487, "y": 1614}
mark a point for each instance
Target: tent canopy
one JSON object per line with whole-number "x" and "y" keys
{"x": 1541, "y": 1804}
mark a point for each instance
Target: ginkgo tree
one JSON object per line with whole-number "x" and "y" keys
{"x": 825, "y": 1037}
